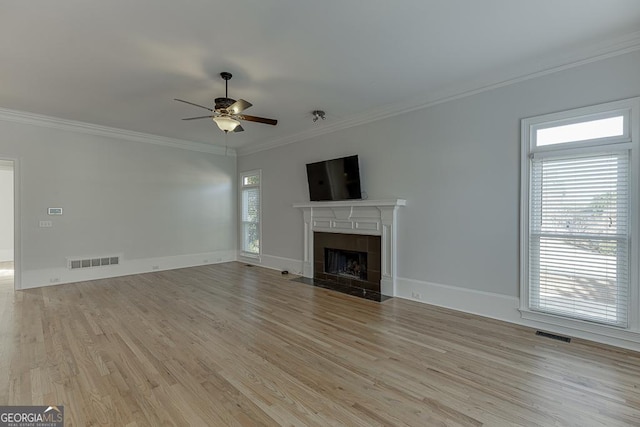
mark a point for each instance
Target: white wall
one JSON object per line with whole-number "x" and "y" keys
{"x": 157, "y": 206}
{"x": 457, "y": 164}
{"x": 6, "y": 211}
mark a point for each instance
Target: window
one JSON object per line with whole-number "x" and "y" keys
{"x": 250, "y": 213}
{"x": 581, "y": 131}
{"x": 578, "y": 172}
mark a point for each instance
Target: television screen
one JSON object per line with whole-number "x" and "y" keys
{"x": 337, "y": 179}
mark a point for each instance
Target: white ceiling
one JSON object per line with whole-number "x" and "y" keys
{"x": 120, "y": 63}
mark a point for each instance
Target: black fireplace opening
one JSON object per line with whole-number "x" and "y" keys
{"x": 348, "y": 264}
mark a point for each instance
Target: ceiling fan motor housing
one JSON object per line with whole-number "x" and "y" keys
{"x": 224, "y": 103}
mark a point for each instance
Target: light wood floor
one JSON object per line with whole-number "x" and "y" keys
{"x": 232, "y": 345}
{"x": 6, "y": 274}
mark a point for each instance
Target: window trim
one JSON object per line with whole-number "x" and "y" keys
{"x": 630, "y": 108}
{"x": 241, "y": 186}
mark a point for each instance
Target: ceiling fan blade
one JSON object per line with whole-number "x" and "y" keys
{"x": 200, "y": 117}
{"x": 191, "y": 103}
{"x": 238, "y": 129}
{"x": 258, "y": 120}
{"x": 238, "y": 106}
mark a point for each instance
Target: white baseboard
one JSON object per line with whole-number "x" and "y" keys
{"x": 59, "y": 275}
{"x": 293, "y": 266}
{"x": 625, "y": 338}
{"x": 487, "y": 304}
{"x": 505, "y": 308}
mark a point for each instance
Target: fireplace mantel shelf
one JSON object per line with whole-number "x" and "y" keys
{"x": 347, "y": 203}
{"x": 363, "y": 217}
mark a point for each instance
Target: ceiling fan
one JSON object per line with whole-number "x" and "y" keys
{"x": 226, "y": 112}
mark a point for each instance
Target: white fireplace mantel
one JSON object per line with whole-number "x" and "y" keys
{"x": 370, "y": 217}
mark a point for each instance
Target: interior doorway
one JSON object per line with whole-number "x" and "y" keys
{"x": 7, "y": 211}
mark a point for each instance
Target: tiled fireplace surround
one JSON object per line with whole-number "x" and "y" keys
{"x": 353, "y": 225}
{"x": 353, "y": 243}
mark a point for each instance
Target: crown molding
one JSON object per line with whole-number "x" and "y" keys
{"x": 540, "y": 67}
{"x": 110, "y": 132}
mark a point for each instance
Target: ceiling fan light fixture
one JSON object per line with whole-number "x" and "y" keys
{"x": 226, "y": 123}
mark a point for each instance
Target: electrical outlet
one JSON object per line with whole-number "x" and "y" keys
{"x": 219, "y": 260}
{"x": 416, "y": 295}
{"x": 54, "y": 280}
{"x": 155, "y": 267}
{"x": 46, "y": 224}
{"x": 206, "y": 261}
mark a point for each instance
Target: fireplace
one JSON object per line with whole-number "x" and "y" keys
{"x": 370, "y": 226}
{"x": 347, "y": 259}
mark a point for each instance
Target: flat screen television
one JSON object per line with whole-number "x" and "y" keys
{"x": 336, "y": 179}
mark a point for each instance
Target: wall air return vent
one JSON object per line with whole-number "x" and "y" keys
{"x": 91, "y": 262}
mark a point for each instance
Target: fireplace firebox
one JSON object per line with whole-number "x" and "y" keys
{"x": 345, "y": 263}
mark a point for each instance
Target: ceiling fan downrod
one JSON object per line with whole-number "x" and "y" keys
{"x": 226, "y": 76}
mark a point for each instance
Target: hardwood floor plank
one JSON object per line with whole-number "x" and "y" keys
{"x": 229, "y": 344}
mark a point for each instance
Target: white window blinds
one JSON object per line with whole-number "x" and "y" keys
{"x": 579, "y": 237}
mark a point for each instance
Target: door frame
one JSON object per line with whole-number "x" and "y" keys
{"x": 17, "y": 249}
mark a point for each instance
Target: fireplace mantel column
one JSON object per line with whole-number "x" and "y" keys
{"x": 369, "y": 217}
{"x": 307, "y": 264}
{"x": 389, "y": 248}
